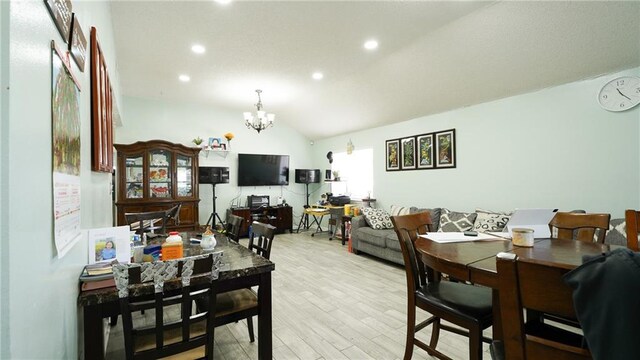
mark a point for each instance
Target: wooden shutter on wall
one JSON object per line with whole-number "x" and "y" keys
{"x": 101, "y": 110}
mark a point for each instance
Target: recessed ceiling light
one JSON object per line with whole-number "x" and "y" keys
{"x": 371, "y": 44}
{"x": 223, "y": 2}
{"x": 198, "y": 49}
{"x": 317, "y": 76}
{"x": 184, "y": 78}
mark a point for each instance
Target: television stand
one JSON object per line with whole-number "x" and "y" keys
{"x": 279, "y": 216}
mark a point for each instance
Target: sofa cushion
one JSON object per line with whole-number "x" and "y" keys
{"x": 617, "y": 234}
{"x": 377, "y": 218}
{"x": 456, "y": 221}
{"x": 435, "y": 215}
{"x": 490, "y": 221}
{"x": 374, "y": 237}
{"x": 392, "y": 242}
{"x": 399, "y": 210}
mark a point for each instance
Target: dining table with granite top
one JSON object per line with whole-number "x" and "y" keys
{"x": 240, "y": 268}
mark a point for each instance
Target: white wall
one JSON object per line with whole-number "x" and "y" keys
{"x": 40, "y": 317}
{"x": 4, "y": 173}
{"x": 180, "y": 122}
{"x": 551, "y": 148}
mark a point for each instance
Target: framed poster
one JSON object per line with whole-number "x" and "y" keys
{"x": 393, "y": 155}
{"x": 60, "y": 11}
{"x": 425, "y": 151}
{"x": 446, "y": 149}
{"x": 408, "y": 153}
{"x": 78, "y": 43}
{"x": 101, "y": 109}
{"x": 65, "y": 124}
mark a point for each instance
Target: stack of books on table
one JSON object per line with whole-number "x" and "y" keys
{"x": 97, "y": 276}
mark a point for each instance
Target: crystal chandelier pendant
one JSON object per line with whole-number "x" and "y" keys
{"x": 261, "y": 120}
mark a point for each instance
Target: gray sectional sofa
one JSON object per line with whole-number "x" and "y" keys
{"x": 384, "y": 243}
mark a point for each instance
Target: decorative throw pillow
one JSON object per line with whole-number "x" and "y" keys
{"x": 377, "y": 218}
{"x": 451, "y": 221}
{"x": 490, "y": 221}
{"x": 617, "y": 234}
{"x": 435, "y": 216}
{"x": 399, "y": 210}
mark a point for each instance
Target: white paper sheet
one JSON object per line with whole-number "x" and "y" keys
{"x": 505, "y": 235}
{"x": 452, "y": 237}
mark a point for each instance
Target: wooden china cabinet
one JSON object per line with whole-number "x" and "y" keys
{"x": 156, "y": 175}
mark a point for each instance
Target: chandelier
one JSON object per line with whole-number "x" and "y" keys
{"x": 261, "y": 120}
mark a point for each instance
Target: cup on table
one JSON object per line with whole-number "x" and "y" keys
{"x": 522, "y": 237}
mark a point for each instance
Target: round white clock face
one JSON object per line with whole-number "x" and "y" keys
{"x": 620, "y": 94}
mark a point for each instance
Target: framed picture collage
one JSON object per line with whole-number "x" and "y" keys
{"x": 436, "y": 150}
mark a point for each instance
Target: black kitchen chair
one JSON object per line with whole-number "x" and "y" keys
{"x": 162, "y": 285}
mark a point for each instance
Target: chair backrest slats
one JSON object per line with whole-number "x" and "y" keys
{"x": 632, "y": 218}
{"x": 582, "y": 227}
{"x": 135, "y": 280}
{"x": 153, "y": 220}
{"x": 407, "y": 228}
{"x": 262, "y": 238}
{"x": 234, "y": 225}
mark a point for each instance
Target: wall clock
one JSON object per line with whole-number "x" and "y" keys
{"x": 620, "y": 94}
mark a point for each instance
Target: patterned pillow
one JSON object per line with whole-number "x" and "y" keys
{"x": 490, "y": 221}
{"x": 377, "y": 218}
{"x": 617, "y": 234}
{"x": 399, "y": 210}
{"x": 435, "y": 216}
{"x": 451, "y": 221}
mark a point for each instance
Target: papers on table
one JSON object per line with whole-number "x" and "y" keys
{"x": 504, "y": 235}
{"x": 453, "y": 237}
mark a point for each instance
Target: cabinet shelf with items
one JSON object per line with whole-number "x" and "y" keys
{"x": 156, "y": 176}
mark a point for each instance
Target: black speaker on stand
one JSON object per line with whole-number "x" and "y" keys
{"x": 306, "y": 177}
{"x": 213, "y": 176}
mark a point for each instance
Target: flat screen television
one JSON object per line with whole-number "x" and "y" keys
{"x": 261, "y": 170}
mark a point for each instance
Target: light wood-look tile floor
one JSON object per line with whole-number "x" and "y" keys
{"x": 328, "y": 304}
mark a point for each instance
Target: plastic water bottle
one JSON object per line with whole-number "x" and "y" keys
{"x": 250, "y": 231}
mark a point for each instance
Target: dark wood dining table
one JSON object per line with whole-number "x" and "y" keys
{"x": 241, "y": 268}
{"x": 475, "y": 261}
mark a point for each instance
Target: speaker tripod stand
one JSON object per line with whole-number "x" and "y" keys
{"x": 304, "y": 220}
{"x": 214, "y": 215}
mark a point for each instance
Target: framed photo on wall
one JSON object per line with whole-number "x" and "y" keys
{"x": 425, "y": 151}
{"x": 408, "y": 153}
{"x": 446, "y": 149}
{"x": 393, "y": 155}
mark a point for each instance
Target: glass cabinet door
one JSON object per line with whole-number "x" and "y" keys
{"x": 134, "y": 176}
{"x": 184, "y": 180}
{"x": 160, "y": 174}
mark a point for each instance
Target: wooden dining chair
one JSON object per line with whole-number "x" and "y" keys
{"x": 235, "y": 305}
{"x": 582, "y": 227}
{"x": 153, "y": 221}
{"x": 632, "y": 219}
{"x": 531, "y": 285}
{"x": 464, "y": 305}
{"x": 233, "y": 227}
{"x": 162, "y": 285}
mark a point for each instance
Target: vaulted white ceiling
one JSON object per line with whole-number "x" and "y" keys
{"x": 432, "y": 57}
